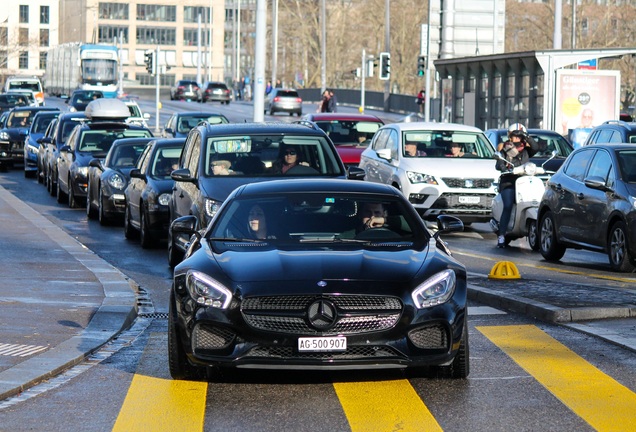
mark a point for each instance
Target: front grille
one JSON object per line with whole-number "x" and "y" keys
{"x": 352, "y": 353}
{"x": 452, "y": 202}
{"x": 289, "y": 314}
{"x": 205, "y": 337}
{"x": 463, "y": 183}
{"x": 429, "y": 337}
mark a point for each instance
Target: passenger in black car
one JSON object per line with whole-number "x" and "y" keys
{"x": 257, "y": 223}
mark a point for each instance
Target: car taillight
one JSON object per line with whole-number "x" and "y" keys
{"x": 276, "y": 99}
{"x": 299, "y": 100}
{"x": 181, "y": 87}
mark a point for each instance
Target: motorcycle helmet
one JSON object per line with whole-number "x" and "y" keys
{"x": 516, "y": 127}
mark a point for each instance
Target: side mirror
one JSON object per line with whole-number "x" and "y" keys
{"x": 182, "y": 175}
{"x": 384, "y": 154}
{"x": 136, "y": 173}
{"x": 146, "y": 116}
{"x": 65, "y": 149}
{"x": 96, "y": 163}
{"x": 356, "y": 173}
{"x": 184, "y": 225}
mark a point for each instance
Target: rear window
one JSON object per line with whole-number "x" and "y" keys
{"x": 98, "y": 141}
{"x": 217, "y": 86}
{"x": 33, "y": 85}
{"x": 287, "y": 93}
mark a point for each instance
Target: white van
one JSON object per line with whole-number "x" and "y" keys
{"x": 22, "y": 83}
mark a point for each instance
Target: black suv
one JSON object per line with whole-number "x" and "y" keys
{"x": 14, "y": 133}
{"x": 216, "y": 91}
{"x": 216, "y": 159}
{"x": 185, "y": 90}
{"x": 612, "y": 131}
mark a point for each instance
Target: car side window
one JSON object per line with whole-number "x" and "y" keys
{"x": 379, "y": 141}
{"x": 187, "y": 151}
{"x": 604, "y": 136}
{"x": 142, "y": 163}
{"x": 578, "y": 164}
{"x": 193, "y": 163}
{"x": 392, "y": 143}
{"x": 601, "y": 166}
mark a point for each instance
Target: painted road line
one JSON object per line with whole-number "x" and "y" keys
{"x": 384, "y": 406}
{"x": 155, "y": 404}
{"x": 591, "y": 394}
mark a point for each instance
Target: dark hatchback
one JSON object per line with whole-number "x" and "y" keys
{"x": 149, "y": 191}
{"x": 38, "y": 128}
{"x": 80, "y": 99}
{"x": 218, "y": 158}
{"x": 108, "y": 178}
{"x": 14, "y": 134}
{"x": 319, "y": 292}
{"x": 590, "y": 203}
{"x": 547, "y": 140}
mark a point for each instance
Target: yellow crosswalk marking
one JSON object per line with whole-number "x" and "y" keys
{"x": 384, "y": 406}
{"x": 155, "y": 404}
{"x": 594, "y": 396}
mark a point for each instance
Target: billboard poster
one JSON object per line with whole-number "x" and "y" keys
{"x": 584, "y": 99}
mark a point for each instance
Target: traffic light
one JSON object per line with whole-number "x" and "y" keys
{"x": 150, "y": 61}
{"x": 385, "y": 66}
{"x": 421, "y": 66}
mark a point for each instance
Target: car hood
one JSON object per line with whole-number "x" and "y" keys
{"x": 279, "y": 266}
{"x": 452, "y": 167}
{"x": 15, "y": 134}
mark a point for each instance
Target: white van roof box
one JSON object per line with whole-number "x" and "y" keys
{"x": 107, "y": 109}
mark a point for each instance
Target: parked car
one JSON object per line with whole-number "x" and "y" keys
{"x": 283, "y": 100}
{"x": 185, "y": 90}
{"x": 216, "y": 91}
{"x": 149, "y": 191}
{"x": 180, "y": 123}
{"x": 108, "y": 178}
{"x": 81, "y": 98}
{"x": 308, "y": 296}
{"x": 218, "y": 158}
{"x": 547, "y": 140}
{"x": 43, "y": 148}
{"x": 55, "y": 139}
{"x": 14, "y": 133}
{"x": 38, "y": 127}
{"x": 3, "y": 119}
{"x": 613, "y": 131}
{"x": 432, "y": 181}
{"x": 8, "y": 101}
{"x": 91, "y": 140}
{"x": 351, "y": 133}
{"x": 589, "y": 204}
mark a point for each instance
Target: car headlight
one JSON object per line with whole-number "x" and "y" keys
{"x": 435, "y": 290}
{"x": 415, "y": 177}
{"x": 211, "y": 207}
{"x": 83, "y": 171}
{"x": 164, "y": 199}
{"x": 207, "y": 291}
{"x": 117, "y": 181}
{"x": 31, "y": 149}
{"x": 4, "y": 135}
{"x": 632, "y": 201}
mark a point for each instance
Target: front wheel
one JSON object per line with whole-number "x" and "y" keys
{"x": 178, "y": 363}
{"x": 618, "y": 249}
{"x": 549, "y": 246}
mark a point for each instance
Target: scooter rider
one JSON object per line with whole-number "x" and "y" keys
{"x": 516, "y": 151}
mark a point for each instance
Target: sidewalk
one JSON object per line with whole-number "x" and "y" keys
{"x": 59, "y": 302}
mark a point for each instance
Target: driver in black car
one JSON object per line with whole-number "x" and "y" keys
{"x": 373, "y": 215}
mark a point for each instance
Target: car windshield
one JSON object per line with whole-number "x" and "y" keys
{"x": 311, "y": 220}
{"x": 41, "y": 122}
{"x": 125, "y": 155}
{"x": 439, "y": 144}
{"x": 20, "y": 119}
{"x": 350, "y": 132}
{"x": 186, "y": 123}
{"x": 100, "y": 141}
{"x": 270, "y": 155}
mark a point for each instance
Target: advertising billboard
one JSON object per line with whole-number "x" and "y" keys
{"x": 584, "y": 99}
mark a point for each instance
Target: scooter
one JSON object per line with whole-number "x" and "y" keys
{"x": 529, "y": 191}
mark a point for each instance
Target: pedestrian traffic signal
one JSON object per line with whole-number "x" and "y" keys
{"x": 421, "y": 66}
{"x": 150, "y": 61}
{"x": 385, "y": 66}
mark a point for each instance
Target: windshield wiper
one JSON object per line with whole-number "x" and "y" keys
{"x": 236, "y": 240}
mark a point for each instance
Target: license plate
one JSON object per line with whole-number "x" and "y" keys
{"x": 312, "y": 344}
{"x": 469, "y": 199}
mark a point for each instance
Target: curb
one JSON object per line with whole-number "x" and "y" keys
{"x": 116, "y": 313}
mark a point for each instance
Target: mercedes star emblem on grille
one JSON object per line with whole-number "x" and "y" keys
{"x": 322, "y": 314}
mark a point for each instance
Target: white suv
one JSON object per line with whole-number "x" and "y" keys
{"x": 432, "y": 179}
{"x": 136, "y": 116}
{"x": 30, "y": 84}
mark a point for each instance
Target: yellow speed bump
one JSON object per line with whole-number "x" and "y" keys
{"x": 504, "y": 270}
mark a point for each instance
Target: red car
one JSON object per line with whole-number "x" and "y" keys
{"x": 351, "y": 133}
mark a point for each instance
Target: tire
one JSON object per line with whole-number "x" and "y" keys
{"x": 72, "y": 201}
{"x": 549, "y": 246}
{"x": 533, "y": 235}
{"x": 178, "y": 363}
{"x": 618, "y": 249}
{"x": 61, "y": 196}
{"x": 129, "y": 231}
{"x": 51, "y": 185}
{"x": 145, "y": 238}
{"x": 271, "y": 112}
{"x": 90, "y": 211}
{"x": 175, "y": 256}
{"x": 460, "y": 367}
{"x": 101, "y": 216}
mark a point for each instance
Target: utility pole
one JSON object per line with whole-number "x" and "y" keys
{"x": 259, "y": 60}
{"x": 387, "y": 48}
{"x": 363, "y": 74}
{"x": 157, "y": 81}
